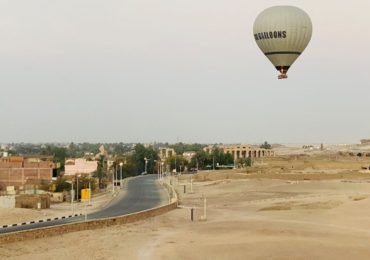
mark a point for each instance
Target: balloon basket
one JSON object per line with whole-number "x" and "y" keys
{"x": 283, "y": 76}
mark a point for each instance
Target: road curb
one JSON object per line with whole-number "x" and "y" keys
{"x": 40, "y": 221}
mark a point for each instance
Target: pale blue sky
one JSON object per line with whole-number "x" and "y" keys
{"x": 169, "y": 70}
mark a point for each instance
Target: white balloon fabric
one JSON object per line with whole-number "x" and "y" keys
{"x": 282, "y": 33}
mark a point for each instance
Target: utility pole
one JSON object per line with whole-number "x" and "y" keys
{"x": 175, "y": 165}
{"x": 72, "y": 195}
{"x": 120, "y": 181}
{"x": 116, "y": 176}
{"x": 161, "y": 175}
{"x": 89, "y": 190}
{"x": 146, "y": 164}
{"x": 113, "y": 179}
{"x": 77, "y": 189}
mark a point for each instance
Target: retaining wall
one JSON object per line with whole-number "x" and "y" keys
{"x": 87, "y": 225}
{"x": 32, "y": 201}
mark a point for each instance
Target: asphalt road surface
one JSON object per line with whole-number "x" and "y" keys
{"x": 141, "y": 193}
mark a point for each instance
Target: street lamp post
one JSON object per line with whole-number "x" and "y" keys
{"x": 113, "y": 180}
{"x": 72, "y": 195}
{"x": 120, "y": 174}
{"x": 161, "y": 175}
{"x": 146, "y": 164}
{"x": 89, "y": 190}
{"x": 159, "y": 170}
{"x": 175, "y": 165}
{"x": 155, "y": 164}
{"x": 77, "y": 188}
{"x": 116, "y": 176}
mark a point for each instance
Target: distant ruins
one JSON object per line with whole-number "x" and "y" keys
{"x": 365, "y": 141}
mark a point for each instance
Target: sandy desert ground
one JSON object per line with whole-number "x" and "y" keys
{"x": 247, "y": 218}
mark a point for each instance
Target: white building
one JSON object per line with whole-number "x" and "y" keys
{"x": 80, "y": 166}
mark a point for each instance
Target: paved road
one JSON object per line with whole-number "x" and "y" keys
{"x": 141, "y": 193}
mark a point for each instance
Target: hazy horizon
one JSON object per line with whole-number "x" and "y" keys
{"x": 167, "y": 71}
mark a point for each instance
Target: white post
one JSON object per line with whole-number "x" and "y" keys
{"x": 72, "y": 195}
{"x": 116, "y": 176}
{"x": 85, "y": 212}
{"x": 191, "y": 184}
{"x": 146, "y": 165}
{"x": 161, "y": 172}
{"x": 113, "y": 180}
{"x": 205, "y": 208}
{"x": 89, "y": 191}
{"x": 120, "y": 174}
{"x": 77, "y": 189}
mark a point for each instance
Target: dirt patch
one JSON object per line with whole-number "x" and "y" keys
{"x": 358, "y": 198}
{"x": 276, "y": 207}
{"x": 217, "y": 182}
{"x": 295, "y": 205}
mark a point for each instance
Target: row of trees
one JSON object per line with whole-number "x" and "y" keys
{"x": 138, "y": 159}
{"x": 203, "y": 160}
{"x": 131, "y": 164}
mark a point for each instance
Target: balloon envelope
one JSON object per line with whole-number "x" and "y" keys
{"x": 282, "y": 33}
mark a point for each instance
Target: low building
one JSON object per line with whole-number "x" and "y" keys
{"x": 79, "y": 166}
{"x": 17, "y": 171}
{"x": 189, "y": 155}
{"x": 165, "y": 153}
{"x": 365, "y": 141}
{"x": 242, "y": 151}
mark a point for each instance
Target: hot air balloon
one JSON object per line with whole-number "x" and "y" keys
{"x": 282, "y": 33}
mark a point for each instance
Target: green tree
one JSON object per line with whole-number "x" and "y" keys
{"x": 200, "y": 160}
{"x": 180, "y": 148}
{"x": 222, "y": 158}
{"x": 61, "y": 184}
{"x": 83, "y": 183}
{"x": 140, "y": 153}
{"x": 265, "y": 145}
{"x": 177, "y": 161}
{"x": 59, "y": 153}
{"x": 203, "y": 160}
{"x": 245, "y": 162}
{"x": 101, "y": 173}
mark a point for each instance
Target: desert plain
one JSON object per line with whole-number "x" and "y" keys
{"x": 298, "y": 206}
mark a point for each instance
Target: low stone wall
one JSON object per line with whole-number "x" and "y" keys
{"x": 56, "y": 197}
{"x": 87, "y": 225}
{"x": 33, "y": 201}
{"x": 7, "y": 202}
